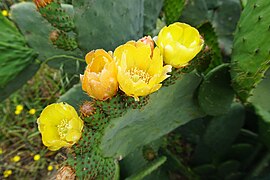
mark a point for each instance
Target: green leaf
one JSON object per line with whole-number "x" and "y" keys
{"x": 167, "y": 109}
{"x": 215, "y": 94}
{"x": 15, "y": 57}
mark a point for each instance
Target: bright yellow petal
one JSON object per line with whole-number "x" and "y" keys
{"x": 73, "y": 135}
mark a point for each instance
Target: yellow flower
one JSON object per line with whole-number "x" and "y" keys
{"x": 100, "y": 77}
{"x": 1, "y": 151}
{"x": 17, "y": 112}
{"x": 32, "y": 111}
{"x": 36, "y": 157}
{"x": 139, "y": 72}
{"x": 19, "y": 107}
{"x": 7, "y": 173}
{"x": 4, "y": 12}
{"x": 60, "y": 126}
{"x": 50, "y": 168}
{"x": 16, "y": 158}
{"x": 179, "y": 43}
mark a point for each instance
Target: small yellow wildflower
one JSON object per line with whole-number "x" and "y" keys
{"x": 60, "y": 126}
{"x": 4, "y": 12}
{"x": 100, "y": 77}
{"x": 7, "y": 173}
{"x": 36, "y": 157}
{"x": 140, "y": 71}
{"x": 19, "y": 107}
{"x": 50, "y": 168}
{"x": 32, "y": 111}
{"x": 16, "y": 158}
{"x": 1, "y": 151}
{"x": 17, "y": 112}
{"x": 179, "y": 43}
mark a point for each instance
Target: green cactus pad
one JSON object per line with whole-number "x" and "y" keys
{"x": 173, "y": 10}
{"x": 57, "y": 16}
{"x": 219, "y": 135}
{"x": 215, "y": 94}
{"x": 166, "y": 109}
{"x": 37, "y": 32}
{"x": 63, "y": 41}
{"x": 250, "y": 58}
{"x": 152, "y": 10}
{"x": 107, "y": 24}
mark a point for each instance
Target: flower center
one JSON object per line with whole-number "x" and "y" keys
{"x": 63, "y": 128}
{"x": 138, "y": 74}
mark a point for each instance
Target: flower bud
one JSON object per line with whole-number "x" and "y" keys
{"x": 100, "y": 77}
{"x": 179, "y": 43}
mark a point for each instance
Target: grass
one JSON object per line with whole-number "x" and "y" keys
{"x": 19, "y": 135}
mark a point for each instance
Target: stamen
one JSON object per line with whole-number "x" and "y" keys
{"x": 137, "y": 74}
{"x": 63, "y": 128}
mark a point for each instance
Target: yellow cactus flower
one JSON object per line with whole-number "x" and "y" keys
{"x": 7, "y": 173}
{"x": 50, "y": 168}
{"x": 5, "y": 13}
{"x": 139, "y": 71}
{"x": 36, "y": 157}
{"x": 19, "y": 107}
{"x": 16, "y": 158}
{"x": 179, "y": 43}
{"x": 100, "y": 77}
{"x": 60, "y": 126}
{"x": 32, "y": 111}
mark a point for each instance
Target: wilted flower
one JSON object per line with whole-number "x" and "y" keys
{"x": 100, "y": 77}
{"x": 66, "y": 172}
{"x": 139, "y": 73}
{"x": 179, "y": 43}
{"x": 60, "y": 126}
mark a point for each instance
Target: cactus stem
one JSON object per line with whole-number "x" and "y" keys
{"x": 255, "y": 5}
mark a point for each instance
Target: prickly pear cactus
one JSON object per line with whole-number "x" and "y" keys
{"x": 107, "y": 24}
{"x": 55, "y": 14}
{"x": 250, "y": 58}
